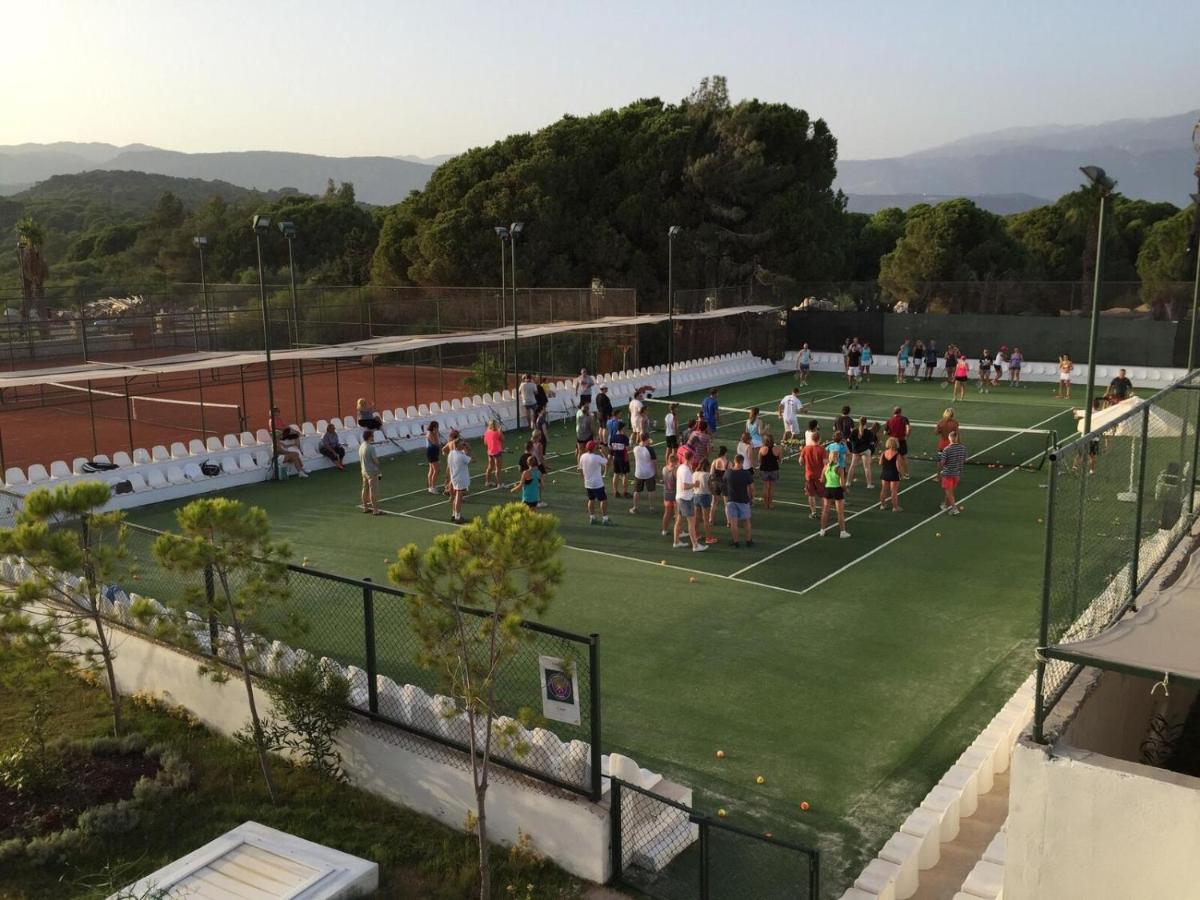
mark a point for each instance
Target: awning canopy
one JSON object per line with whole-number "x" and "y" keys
{"x": 1162, "y": 639}
{"x": 190, "y": 362}
{"x": 1162, "y": 423}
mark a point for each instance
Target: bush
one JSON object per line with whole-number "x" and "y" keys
{"x": 53, "y": 848}
{"x": 487, "y": 375}
{"x": 110, "y": 819}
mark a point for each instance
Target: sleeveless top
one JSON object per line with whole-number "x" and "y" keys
{"x": 770, "y": 463}
{"x": 756, "y": 440}
{"x": 832, "y": 478}
{"x": 889, "y": 469}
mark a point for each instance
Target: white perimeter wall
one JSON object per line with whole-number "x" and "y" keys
{"x": 1086, "y": 825}
{"x": 571, "y": 831}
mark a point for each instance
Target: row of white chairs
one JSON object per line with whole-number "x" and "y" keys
{"x": 894, "y": 873}
{"x": 179, "y": 462}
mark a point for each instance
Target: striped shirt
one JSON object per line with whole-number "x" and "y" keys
{"x": 953, "y": 458}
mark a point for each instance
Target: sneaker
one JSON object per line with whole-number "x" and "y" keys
{"x": 812, "y": 515}
{"x": 542, "y": 504}
{"x": 591, "y": 520}
{"x": 606, "y": 521}
{"x": 633, "y": 510}
{"x": 844, "y": 534}
{"x": 302, "y": 474}
{"x": 663, "y": 532}
{"x": 821, "y": 533}
{"x": 434, "y": 491}
{"x": 882, "y": 505}
{"x": 681, "y": 544}
{"x": 955, "y": 511}
{"x": 941, "y": 506}
{"x": 734, "y": 544}
{"x": 699, "y": 548}
{"x": 897, "y": 509}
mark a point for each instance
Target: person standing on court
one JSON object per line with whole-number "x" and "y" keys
{"x": 591, "y": 466}
{"x": 368, "y": 463}
{"x": 604, "y": 407}
{"x": 738, "y": 480}
{"x": 899, "y": 428}
{"x": 711, "y": 409}
{"x": 636, "y": 406}
{"x": 1119, "y": 390}
{"x": 685, "y": 503}
{"x": 952, "y": 460}
{"x": 789, "y": 410}
{"x": 459, "y": 463}
{"x": 671, "y": 426}
{"x": 583, "y": 387}
{"x": 529, "y": 399}
{"x": 585, "y": 429}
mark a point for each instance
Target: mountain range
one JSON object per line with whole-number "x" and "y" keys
{"x": 377, "y": 179}
{"x": 1005, "y": 171}
{"x": 1152, "y": 159}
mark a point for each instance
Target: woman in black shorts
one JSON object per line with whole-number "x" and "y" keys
{"x": 433, "y": 456}
{"x": 861, "y": 444}
{"x": 889, "y": 475}
{"x": 768, "y": 458}
{"x": 716, "y": 477}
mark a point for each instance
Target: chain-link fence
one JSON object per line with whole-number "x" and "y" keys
{"x": 664, "y": 849}
{"x": 1120, "y": 500}
{"x": 364, "y": 630}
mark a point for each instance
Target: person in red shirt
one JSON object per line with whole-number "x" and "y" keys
{"x": 899, "y": 428}
{"x": 812, "y": 457}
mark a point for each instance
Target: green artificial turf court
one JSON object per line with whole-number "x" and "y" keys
{"x": 848, "y": 673}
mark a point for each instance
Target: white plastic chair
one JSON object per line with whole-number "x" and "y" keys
{"x": 247, "y": 439}
{"x": 140, "y": 457}
{"x": 246, "y": 462}
{"x": 58, "y": 469}
{"x": 155, "y": 479}
{"x": 15, "y": 476}
{"x": 159, "y": 453}
{"x": 192, "y": 472}
{"x": 196, "y": 447}
{"x": 175, "y": 475}
{"x": 120, "y": 458}
{"x": 136, "y": 480}
{"x": 79, "y": 462}
{"x": 38, "y": 474}
{"x": 214, "y": 444}
{"x": 308, "y": 428}
{"x": 179, "y": 451}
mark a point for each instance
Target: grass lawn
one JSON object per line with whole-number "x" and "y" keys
{"x": 418, "y": 858}
{"x": 849, "y": 673}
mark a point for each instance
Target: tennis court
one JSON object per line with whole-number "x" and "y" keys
{"x": 848, "y": 673}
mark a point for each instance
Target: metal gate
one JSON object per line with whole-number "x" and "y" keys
{"x": 667, "y": 850}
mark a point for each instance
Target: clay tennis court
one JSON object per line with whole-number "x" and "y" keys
{"x": 44, "y": 423}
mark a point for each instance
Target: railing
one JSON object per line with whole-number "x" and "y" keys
{"x": 366, "y": 626}
{"x": 1119, "y": 501}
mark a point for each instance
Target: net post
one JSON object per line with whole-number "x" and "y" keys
{"x": 368, "y": 596}
{"x": 200, "y": 389}
{"x": 337, "y": 385}
{"x": 129, "y": 414}
{"x": 1137, "y": 520}
{"x": 92, "y": 419}
{"x": 594, "y": 724}
{"x": 1195, "y": 452}
{"x": 1039, "y": 711}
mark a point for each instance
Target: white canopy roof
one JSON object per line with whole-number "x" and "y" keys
{"x": 190, "y": 362}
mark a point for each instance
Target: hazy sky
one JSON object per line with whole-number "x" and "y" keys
{"x": 391, "y": 78}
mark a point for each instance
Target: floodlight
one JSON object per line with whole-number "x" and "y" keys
{"x": 288, "y": 229}
{"x": 1098, "y": 177}
{"x": 199, "y": 241}
{"x": 515, "y": 229}
{"x": 261, "y": 224}
{"x": 673, "y": 230}
{"x": 501, "y": 232}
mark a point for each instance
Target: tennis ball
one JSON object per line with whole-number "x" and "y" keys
{"x": 691, "y": 579}
{"x": 1039, "y": 521}
{"x": 304, "y": 562}
{"x": 760, "y": 780}
{"x": 804, "y": 805}
{"x": 721, "y": 813}
{"x": 662, "y": 562}
{"x": 937, "y": 534}
{"x": 768, "y": 834}
{"x": 720, "y": 754}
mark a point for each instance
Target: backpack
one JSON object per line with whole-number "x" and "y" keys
{"x": 94, "y": 466}
{"x": 122, "y": 487}
{"x": 208, "y": 467}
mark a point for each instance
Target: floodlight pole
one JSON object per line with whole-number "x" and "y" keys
{"x": 262, "y": 295}
{"x": 1098, "y": 178}
{"x": 200, "y": 242}
{"x": 514, "y": 232}
{"x": 1195, "y": 287}
{"x": 290, "y": 233}
{"x": 671, "y": 232}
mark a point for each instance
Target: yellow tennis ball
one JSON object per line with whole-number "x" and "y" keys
{"x": 720, "y": 754}
{"x": 1039, "y": 521}
{"x": 662, "y": 562}
{"x": 804, "y": 805}
{"x": 760, "y": 780}
{"x": 937, "y": 534}
{"x": 691, "y": 579}
{"x": 721, "y": 813}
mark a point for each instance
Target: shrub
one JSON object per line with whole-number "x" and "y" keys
{"x": 53, "y": 848}
{"x": 110, "y": 819}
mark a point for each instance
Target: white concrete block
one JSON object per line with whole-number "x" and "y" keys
{"x": 925, "y": 825}
{"x": 996, "y": 849}
{"x": 966, "y": 780}
{"x": 944, "y": 801}
{"x": 986, "y": 880}
{"x": 856, "y": 894}
{"x": 879, "y": 879}
{"x": 979, "y": 759}
{"x": 903, "y": 850}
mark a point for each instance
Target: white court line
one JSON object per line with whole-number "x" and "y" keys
{"x": 867, "y": 509}
{"x": 446, "y": 497}
{"x": 892, "y": 540}
{"x": 425, "y": 490}
{"x": 982, "y": 397}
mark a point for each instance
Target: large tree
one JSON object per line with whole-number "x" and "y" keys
{"x": 750, "y": 183}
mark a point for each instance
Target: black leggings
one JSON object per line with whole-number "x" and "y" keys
{"x": 336, "y": 455}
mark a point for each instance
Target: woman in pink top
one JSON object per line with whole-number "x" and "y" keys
{"x": 961, "y": 373}
{"x": 493, "y": 440}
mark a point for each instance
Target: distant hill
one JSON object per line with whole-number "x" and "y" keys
{"x": 136, "y": 192}
{"x": 377, "y": 179}
{"x": 1152, "y": 159}
{"x": 1001, "y": 204}
{"x": 429, "y": 160}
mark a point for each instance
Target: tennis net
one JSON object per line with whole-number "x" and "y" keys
{"x": 185, "y": 415}
{"x": 993, "y": 446}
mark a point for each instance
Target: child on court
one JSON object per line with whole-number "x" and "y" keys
{"x": 835, "y": 494}
{"x": 838, "y": 446}
{"x": 618, "y": 445}
{"x": 704, "y": 500}
{"x": 952, "y": 460}
{"x": 493, "y": 440}
{"x": 459, "y": 463}
{"x": 433, "y": 456}
{"x": 812, "y": 457}
{"x": 645, "y": 474}
{"x": 668, "y": 483}
{"x": 716, "y": 479}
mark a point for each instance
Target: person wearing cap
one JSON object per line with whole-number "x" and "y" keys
{"x": 529, "y": 399}
{"x": 583, "y": 386}
{"x": 591, "y": 466}
{"x": 585, "y": 429}
{"x": 604, "y": 404}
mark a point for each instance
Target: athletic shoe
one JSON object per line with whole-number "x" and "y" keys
{"x": 681, "y": 544}
{"x": 844, "y": 534}
{"x": 955, "y": 511}
{"x": 812, "y": 515}
{"x": 633, "y": 511}
{"x": 606, "y": 521}
{"x": 734, "y": 544}
{"x": 663, "y": 533}
{"x": 542, "y": 504}
{"x": 941, "y": 506}
{"x": 883, "y": 506}
{"x": 434, "y": 491}
{"x": 821, "y": 533}
{"x": 897, "y": 509}
{"x": 591, "y": 520}
{"x": 699, "y": 548}
{"x": 302, "y": 474}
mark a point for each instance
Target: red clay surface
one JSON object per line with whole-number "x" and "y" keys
{"x": 35, "y": 433}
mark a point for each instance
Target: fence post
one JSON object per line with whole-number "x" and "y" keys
{"x": 1134, "y": 564}
{"x": 814, "y": 874}
{"x": 1039, "y": 711}
{"x": 614, "y": 831}
{"x": 210, "y": 597}
{"x": 594, "y": 690}
{"x": 1195, "y": 457}
{"x": 369, "y": 639}
{"x": 703, "y": 860}
{"x": 1084, "y": 473}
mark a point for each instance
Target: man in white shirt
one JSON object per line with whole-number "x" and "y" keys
{"x": 459, "y": 463}
{"x": 790, "y": 408}
{"x": 583, "y": 386}
{"x": 685, "y": 502}
{"x": 528, "y": 391}
{"x": 671, "y": 425}
{"x": 645, "y": 473}
{"x": 635, "y": 415}
{"x": 592, "y": 466}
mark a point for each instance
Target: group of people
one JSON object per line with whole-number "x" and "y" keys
{"x": 956, "y": 365}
